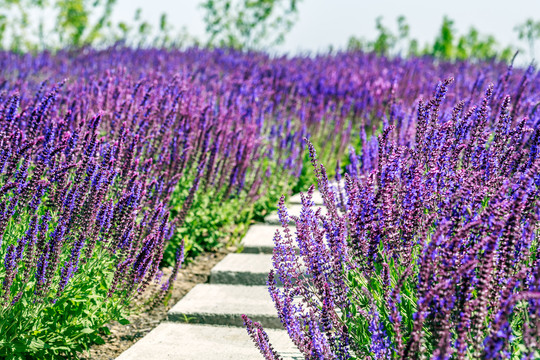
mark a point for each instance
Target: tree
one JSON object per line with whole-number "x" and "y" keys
{"x": 77, "y": 23}
{"x": 530, "y": 31}
{"x": 74, "y": 20}
{"x": 474, "y": 46}
{"x": 248, "y": 23}
{"x": 73, "y": 25}
{"x": 443, "y": 47}
{"x": 385, "y": 41}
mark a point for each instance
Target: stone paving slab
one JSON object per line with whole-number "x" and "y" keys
{"x": 216, "y": 304}
{"x": 242, "y": 269}
{"x": 173, "y": 341}
{"x": 293, "y": 210}
{"x": 260, "y": 238}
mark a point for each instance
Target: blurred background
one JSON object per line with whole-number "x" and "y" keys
{"x": 448, "y": 30}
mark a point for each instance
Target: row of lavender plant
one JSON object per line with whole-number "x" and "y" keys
{"x": 106, "y": 173}
{"x": 96, "y": 176}
{"x": 429, "y": 248}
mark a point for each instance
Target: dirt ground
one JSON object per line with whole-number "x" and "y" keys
{"x": 123, "y": 336}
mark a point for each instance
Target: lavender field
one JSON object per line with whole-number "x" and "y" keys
{"x": 117, "y": 163}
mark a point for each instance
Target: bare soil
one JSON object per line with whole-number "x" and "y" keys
{"x": 123, "y": 336}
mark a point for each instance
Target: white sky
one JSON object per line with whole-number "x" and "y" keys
{"x": 331, "y": 22}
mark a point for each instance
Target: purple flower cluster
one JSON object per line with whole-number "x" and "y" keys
{"x": 101, "y": 162}
{"x": 430, "y": 249}
{"x": 90, "y": 167}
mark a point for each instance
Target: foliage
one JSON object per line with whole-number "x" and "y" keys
{"x": 446, "y": 46}
{"x": 208, "y": 224}
{"x": 73, "y": 19}
{"x": 71, "y": 213}
{"x": 248, "y": 23}
{"x": 386, "y": 42}
{"x": 61, "y": 326}
{"x": 443, "y": 46}
{"x": 471, "y": 46}
{"x": 240, "y": 24}
{"x": 73, "y": 24}
{"x": 79, "y": 24}
{"x": 474, "y": 46}
{"x": 82, "y": 23}
{"x": 530, "y": 31}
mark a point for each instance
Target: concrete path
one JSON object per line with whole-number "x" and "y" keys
{"x": 176, "y": 341}
{"x": 207, "y": 323}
